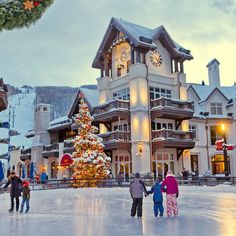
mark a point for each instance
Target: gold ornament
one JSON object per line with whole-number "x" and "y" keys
{"x": 28, "y": 5}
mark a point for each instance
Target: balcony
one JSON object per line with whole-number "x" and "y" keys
{"x": 116, "y": 140}
{"x": 51, "y": 150}
{"x": 165, "y": 138}
{"x": 68, "y": 146}
{"x": 171, "y": 109}
{"x": 3, "y": 96}
{"x": 112, "y": 111}
{"x": 25, "y": 154}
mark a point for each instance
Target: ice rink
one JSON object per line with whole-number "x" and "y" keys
{"x": 106, "y": 212}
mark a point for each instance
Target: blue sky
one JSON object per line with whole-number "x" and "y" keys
{"x": 60, "y": 47}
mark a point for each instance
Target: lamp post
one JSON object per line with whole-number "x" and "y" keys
{"x": 225, "y": 154}
{"x": 205, "y": 115}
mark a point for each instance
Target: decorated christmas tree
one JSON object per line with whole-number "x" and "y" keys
{"x": 90, "y": 162}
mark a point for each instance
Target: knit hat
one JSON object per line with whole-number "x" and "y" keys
{"x": 25, "y": 184}
{"x": 137, "y": 175}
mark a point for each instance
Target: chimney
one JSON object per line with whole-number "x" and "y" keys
{"x": 214, "y": 73}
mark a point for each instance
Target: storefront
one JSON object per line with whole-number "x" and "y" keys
{"x": 218, "y": 165}
{"x": 65, "y": 166}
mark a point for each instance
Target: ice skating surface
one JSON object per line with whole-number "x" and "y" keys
{"x": 102, "y": 212}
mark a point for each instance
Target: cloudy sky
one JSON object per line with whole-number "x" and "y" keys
{"x": 60, "y": 47}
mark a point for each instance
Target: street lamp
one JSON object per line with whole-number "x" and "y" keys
{"x": 225, "y": 154}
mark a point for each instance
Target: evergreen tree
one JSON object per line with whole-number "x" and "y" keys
{"x": 90, "y": 161}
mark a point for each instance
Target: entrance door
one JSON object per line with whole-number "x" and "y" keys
{"x": 124, "y": 165}
{"x": 218, "y": 165}
{"x": 161, "y": 163}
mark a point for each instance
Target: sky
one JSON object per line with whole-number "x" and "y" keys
{"x": 60, "y": 47}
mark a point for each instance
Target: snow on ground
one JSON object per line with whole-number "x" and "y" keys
{"x": 101, "y": 212}
{"x": 23, "y": 104}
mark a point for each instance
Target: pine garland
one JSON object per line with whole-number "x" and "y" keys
{"x": 14, "y": 14}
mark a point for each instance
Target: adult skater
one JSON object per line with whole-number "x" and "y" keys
{"x": 137, "y": 188}
{"x": 172, "y": 193}
{"x": 15, "y": 190}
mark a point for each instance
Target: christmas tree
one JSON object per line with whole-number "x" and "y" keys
{"x": 90, "y": 162}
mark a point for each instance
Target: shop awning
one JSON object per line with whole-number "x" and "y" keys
{"x": 66, "y": 160}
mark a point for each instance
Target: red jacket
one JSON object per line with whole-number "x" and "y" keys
{"x": 171, "y": 185}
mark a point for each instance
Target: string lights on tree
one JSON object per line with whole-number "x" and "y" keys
{"x": 90, "y": 162}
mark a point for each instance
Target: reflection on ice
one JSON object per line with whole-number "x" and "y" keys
{"x": 85, "y": 212}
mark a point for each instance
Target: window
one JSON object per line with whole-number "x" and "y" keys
{"x": 216, "y": 133}
{"x": 216, "y": 108}
{"x": 118, "y": 72}
{"x": 156, "y": 93}
{"x": 122, "y": 127}
{"x": 162, "y": 125}
{"x": 122, "y": 94}
{"x": 193, "y": 128}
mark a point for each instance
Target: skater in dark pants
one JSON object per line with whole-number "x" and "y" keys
{"x": 137, "y": 188}
{"x": 157, "y": 198}
{"x": 25, "y": 197}
{"x": 15, "y": 190}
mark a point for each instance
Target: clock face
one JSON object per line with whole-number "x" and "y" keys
{"x": 155, "y": 58}
{"x": 124, "y": 55}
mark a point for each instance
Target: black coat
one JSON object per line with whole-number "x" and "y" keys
{"x": 16, "y": 186}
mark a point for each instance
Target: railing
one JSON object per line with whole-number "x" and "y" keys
{"x": 115, "y": 136}
{"x": 25, "y": 151}
{"x": 68, "y": 146}
{"x": 51, "y": 148}
{"x": 125, "y": 182}
{"x": 168, "y": 102}
{"x": 172, "y": 134}
{"x": 113, "y": 105}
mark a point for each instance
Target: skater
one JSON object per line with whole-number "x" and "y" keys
{"x": 172, "y": 193}
{"x": 25, "y": 197}
{"x": 120, "y": 178}
{"x": 137, "y": 188}
{"x": 185, "y": 174}
{"x": 157, "y": 198}
{"x": 15, "y": 190}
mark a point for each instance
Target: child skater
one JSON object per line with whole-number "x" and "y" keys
{"x": 157, "y": 198}
{"x": 25, "y": 197}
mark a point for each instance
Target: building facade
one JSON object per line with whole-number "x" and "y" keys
{"x": 214, "y": 119}
{"x": 52, "y": 145}
{"x": 143, "y": 113}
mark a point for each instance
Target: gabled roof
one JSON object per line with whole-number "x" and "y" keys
{"x": 139, "y": 36}
{"x": 205, "y": 91}
{"x": 212, "y": 61}
{"x": 90, "y": 96}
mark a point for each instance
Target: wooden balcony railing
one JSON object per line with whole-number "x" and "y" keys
{"x": 172, "y": 135}
{"x": 168, "y": 102}
{"x": 115, "y": 136}
{"x": 111, "y": 106}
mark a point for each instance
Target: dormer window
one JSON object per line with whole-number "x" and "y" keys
{"x": 216, "y": 108}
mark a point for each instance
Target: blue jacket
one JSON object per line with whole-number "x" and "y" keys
{"x": 156, "y": 189}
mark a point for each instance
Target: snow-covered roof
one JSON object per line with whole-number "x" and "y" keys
{"x": 60, "y": 120}
{"x": 140, "y": 36}
{"x": 212, "y": 61}
{"x": 91, "y": 95}
{"x": 204, "y": 91}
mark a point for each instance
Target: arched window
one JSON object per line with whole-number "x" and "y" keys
{"x": 218, "y": 165}
{"x": 54, "y": 170}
